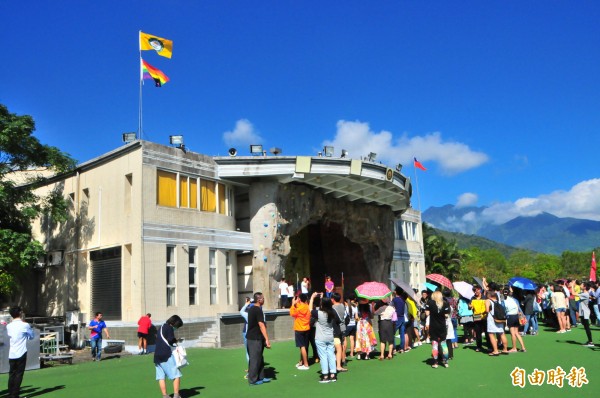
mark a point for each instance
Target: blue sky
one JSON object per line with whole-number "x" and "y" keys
{"x": 499, "y": 100}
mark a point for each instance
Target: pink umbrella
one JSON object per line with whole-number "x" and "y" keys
{"x": 441, "y": 279}
{"x": 464, "y": 289}
{"x": 373, "y": 291}
{"x": 593, "y": 268}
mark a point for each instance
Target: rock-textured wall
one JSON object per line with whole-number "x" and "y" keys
{"x": 282, "y": 210}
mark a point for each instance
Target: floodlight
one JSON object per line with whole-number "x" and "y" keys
{"x": 176, "y": 140}
{"x": 344, "y": 153}
{"x": 328, "y": 151}
{"x": 372, "y": 156}
{"x": 399, "y": 167}
{"x": 275, "y": 151}
{"x": 256, "y": 149}
{"x": 129, "y": 137}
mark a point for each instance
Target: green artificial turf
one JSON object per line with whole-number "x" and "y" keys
{"x": 220, "y": 373}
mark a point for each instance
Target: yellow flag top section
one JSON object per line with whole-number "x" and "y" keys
{"x": 162, "y": 46}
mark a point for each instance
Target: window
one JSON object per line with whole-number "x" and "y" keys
{"x": 193, "y": 276}
{"x": 208, "y": 199}
{"x": 188, "y": 195}
{"x": 166, "y": 188}
{"x": 408, "y": 231}
{"x": 222, "y": 198}
{"x": 230, "y": 201}
{"x": 212, "y": 269}
{"x": 128, "y": 193}
{"x": 228, "y": 277}
{"x": 398, "y": 230}
{"x": 171, "y": 276}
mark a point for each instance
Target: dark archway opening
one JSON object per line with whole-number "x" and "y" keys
{"x": 321, "y": 249}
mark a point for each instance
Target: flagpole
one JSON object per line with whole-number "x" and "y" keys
{"x": 417, "y": 186}
{"x": 140, "y": 95}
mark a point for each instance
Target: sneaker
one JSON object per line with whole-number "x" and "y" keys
{"x": 445, "y": 364}
{"x": 428, "y": 341}
{"x": 435, "y": 365}
{"x": 568, "y": 330}
{"x": 324, "y": 380}
{"x": 332, "y": 379}
{"x": 590, "y": 344}
{"x": 302, "y": 367}
{"x": 258, "y": 383}
{"x": 266, "y": 380}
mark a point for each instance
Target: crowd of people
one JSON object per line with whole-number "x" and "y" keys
{"x": 494, "y": 321}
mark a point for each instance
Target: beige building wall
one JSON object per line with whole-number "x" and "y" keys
{"x": 103, "y": 213}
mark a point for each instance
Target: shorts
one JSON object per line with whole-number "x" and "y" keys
{"x": 337, "y": 341}
{"x": 168, "y": 369}
{"x": 302, "y": 338}
{"x": 561, "y": 310}
{"x": 351, "y": 330}
{"x": 512, "y": 321}
{"x": 143, "y": 335}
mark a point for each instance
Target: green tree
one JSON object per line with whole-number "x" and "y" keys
{"x": 24, "y": 163}
{"x": 441, "y": 256}
{"x": 490, "y": 263}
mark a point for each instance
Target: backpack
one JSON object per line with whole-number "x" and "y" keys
{"x": 499, "y": 312}
{"x": 347, "y": 319}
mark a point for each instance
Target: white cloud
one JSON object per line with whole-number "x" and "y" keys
{"x": 243, "y": 134}
{"x": 467, "y": 199}
{"x": 581, "y": 201}
{"x": 359, "y": 140}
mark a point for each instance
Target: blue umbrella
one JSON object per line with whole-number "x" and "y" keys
{"x": 522, "y": 283}
{"x": 431, "y": 286}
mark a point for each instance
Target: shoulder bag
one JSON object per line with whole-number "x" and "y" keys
{"x": 178, "y": 352}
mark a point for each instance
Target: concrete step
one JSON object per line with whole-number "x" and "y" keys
{"x": 202, "y": 344}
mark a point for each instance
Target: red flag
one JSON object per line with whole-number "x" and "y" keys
{"x": 593, "y": 268}
{"x": 418, "y": 165}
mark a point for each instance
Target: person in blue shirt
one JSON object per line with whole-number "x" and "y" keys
{"x": 400, "y": 326}
{"x": 244, "y": 314}
{"x": 96, "y": 326}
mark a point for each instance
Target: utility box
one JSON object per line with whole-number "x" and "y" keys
{"x": 33, "y": 350}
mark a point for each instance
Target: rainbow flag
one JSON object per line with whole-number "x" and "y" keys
{"x": 150, "y": 72}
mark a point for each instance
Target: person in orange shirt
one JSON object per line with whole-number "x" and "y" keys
{"x": 301, "y": 314}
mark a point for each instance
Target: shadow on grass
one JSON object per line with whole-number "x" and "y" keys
{"x": 270, "y": 372}
{"x": 190, "y": 392}
{"x": 30, "y": 391}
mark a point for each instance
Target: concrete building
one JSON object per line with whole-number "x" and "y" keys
{"x": 157, "y": 229}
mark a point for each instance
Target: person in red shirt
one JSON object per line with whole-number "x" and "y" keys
{"x": 144, "y": 325}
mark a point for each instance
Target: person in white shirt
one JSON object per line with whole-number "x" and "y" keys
{"x": 283, "y": 293}
{"x": 304, "y": 286}
{"x": 19, "y": 332}
{"x": 290, "y": 294}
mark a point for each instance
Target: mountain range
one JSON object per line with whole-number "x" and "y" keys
{"x": 545, "y": 232}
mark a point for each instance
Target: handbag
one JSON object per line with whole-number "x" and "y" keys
{"x": 180, "y": 355}
{"x": 522, "y": 319}
{"x": 178, "y": 352}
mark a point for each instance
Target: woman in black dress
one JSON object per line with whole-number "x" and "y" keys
{"x": 437, "y": 311}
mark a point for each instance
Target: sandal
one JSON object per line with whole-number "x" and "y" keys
{"x": 389, "y": 357}
{"x": 341, "y": 370}
{"x": 435, "y": 365}
{"x": 492, "y": 354}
